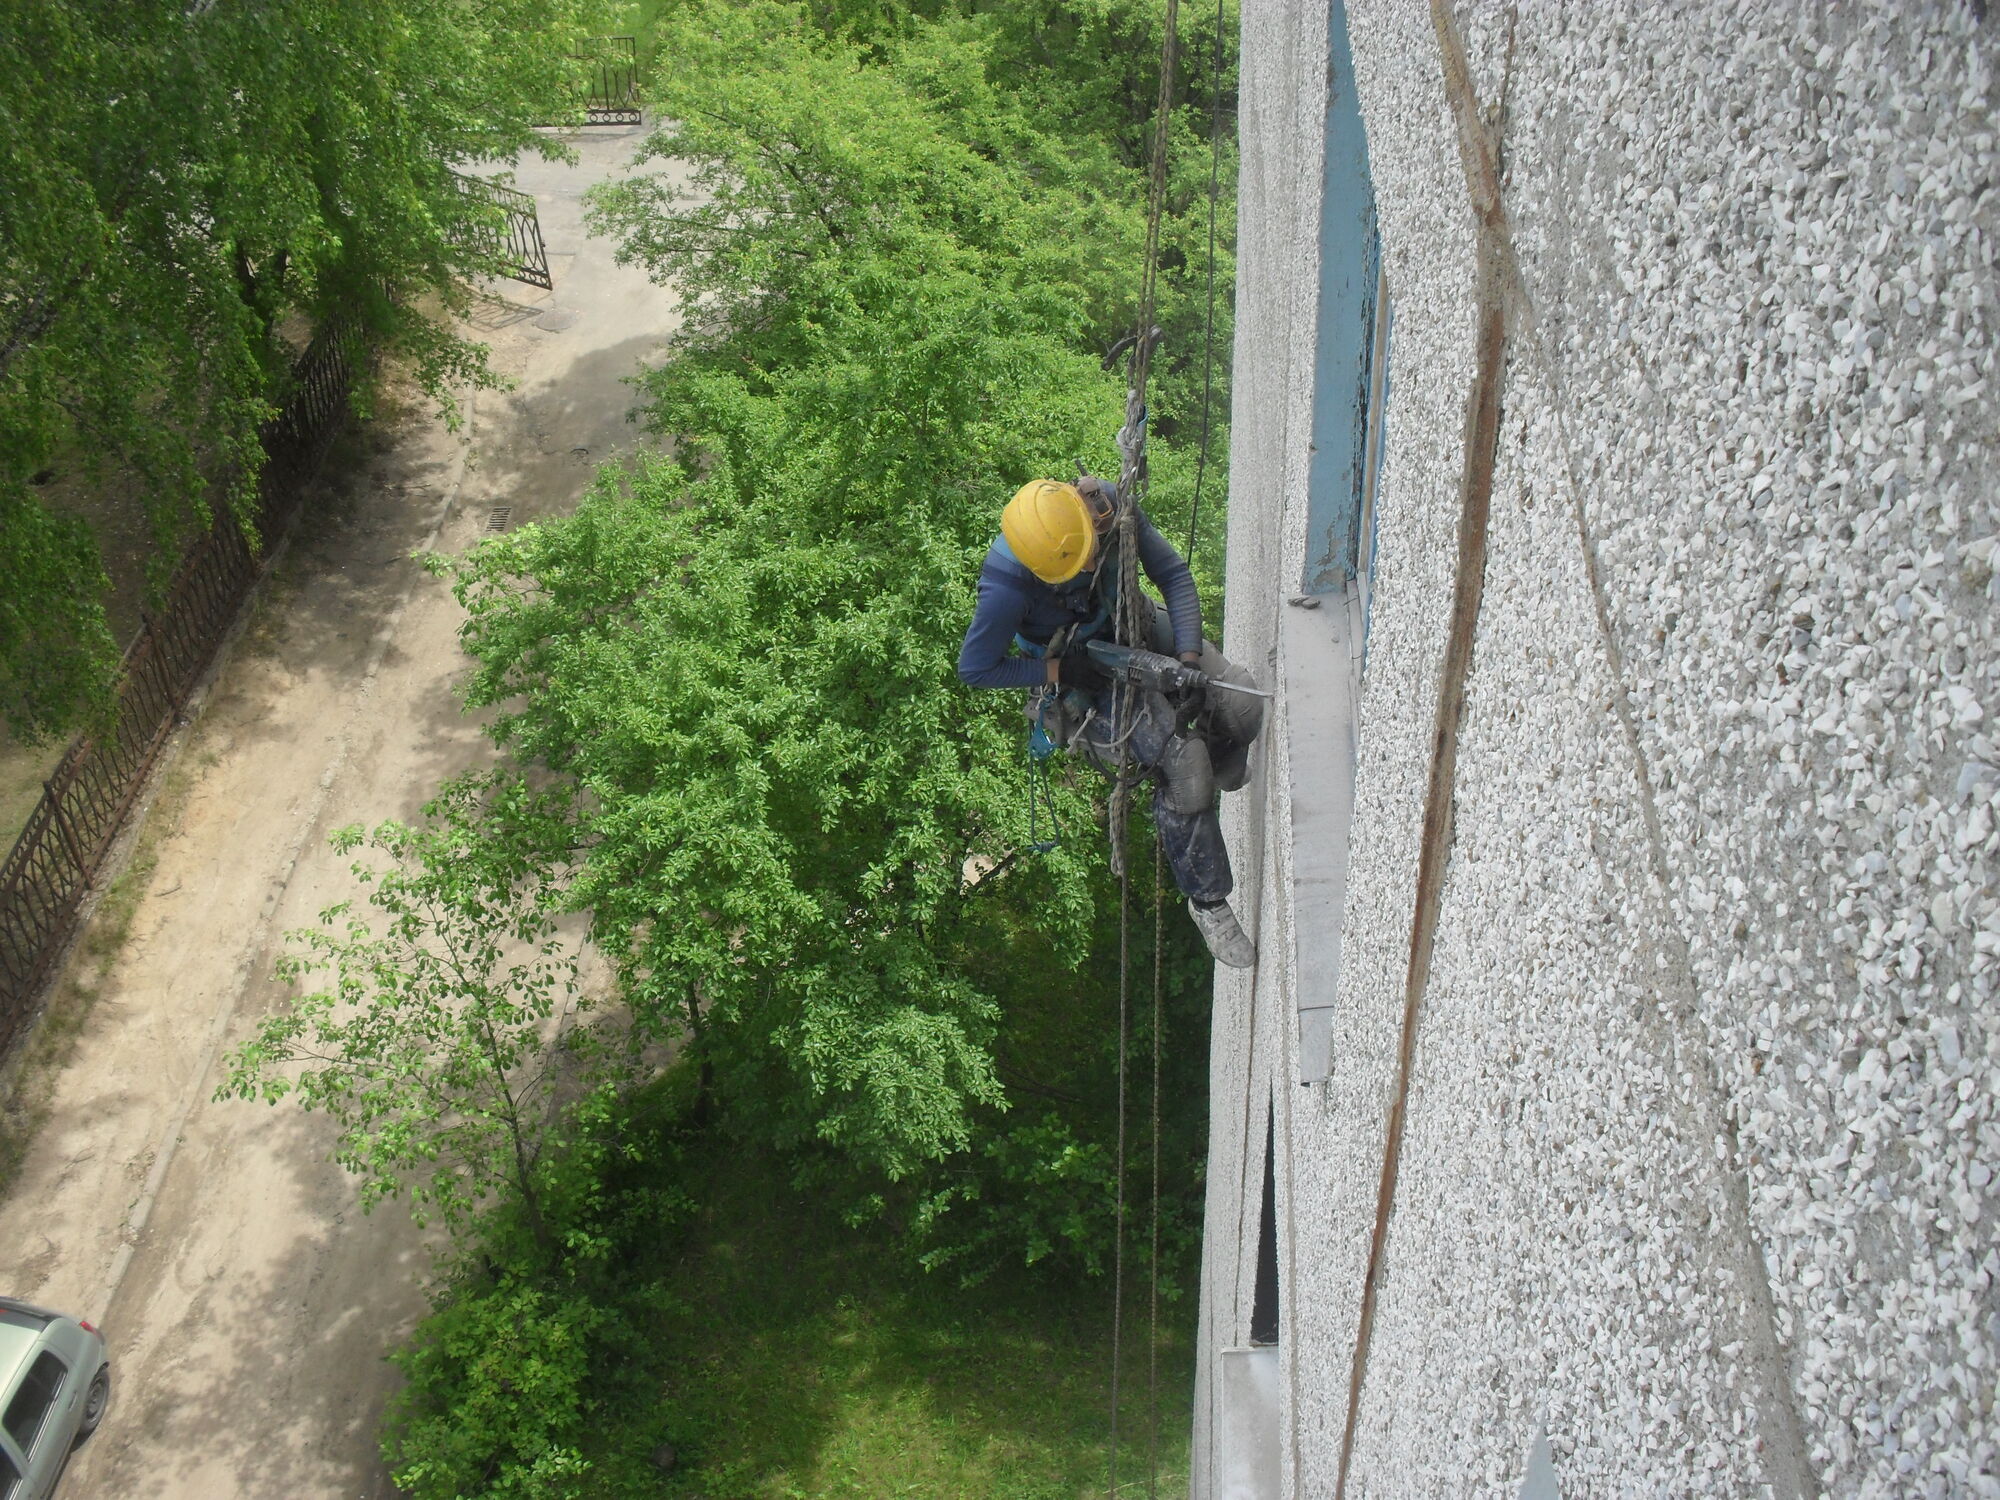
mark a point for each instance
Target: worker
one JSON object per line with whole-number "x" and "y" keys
{"x": 1048, "y": 587}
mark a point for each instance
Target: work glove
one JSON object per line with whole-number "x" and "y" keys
{"x": 1185, "y": 686}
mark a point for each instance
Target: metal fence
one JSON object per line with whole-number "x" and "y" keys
{"x": 504, "y": 230}
{"x": 84, "y": 802}
{"x": 611, "y": 93}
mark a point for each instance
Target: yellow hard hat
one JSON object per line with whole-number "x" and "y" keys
{"x": 1048, "y": 526}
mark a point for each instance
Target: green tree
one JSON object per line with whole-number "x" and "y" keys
{"x": 804, "y": 154}
{"x": 536, "y": 1352}
{"x": 498, "y": 1397}
{"x": 443, "y": 1041}
{"x": 799, "y": 839}
{"x": 177, "y": 181}
{"x": 822, "y": 143}
{"x": 740, "y": 658}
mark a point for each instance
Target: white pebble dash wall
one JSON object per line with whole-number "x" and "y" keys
{"x": 1697, "y": 1171}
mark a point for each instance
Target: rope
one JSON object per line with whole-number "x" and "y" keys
{"x": 1118, "y": 1251}
{"x": 1208, "y": 325}
{"x": 1128, "y": 629}
{"x": 1142, "y": 358}
{"x": 1126, "y": 697}
{"x": 1153, "y": 1247}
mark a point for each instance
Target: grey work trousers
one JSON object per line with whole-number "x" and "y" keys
{"x": 1187, "y": 766}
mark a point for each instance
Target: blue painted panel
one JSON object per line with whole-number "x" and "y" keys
{"x": 1350, "y": 258}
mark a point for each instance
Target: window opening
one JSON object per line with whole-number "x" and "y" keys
{"x": 1264, "y": 1301}
{"x": 1324, "y": 643}
{"x": 1351, "y": 349}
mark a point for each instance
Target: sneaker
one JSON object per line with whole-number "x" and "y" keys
{"x": 1225, "y": 939}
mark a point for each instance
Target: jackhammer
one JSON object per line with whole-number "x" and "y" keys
{"x": 1180, "y": 684}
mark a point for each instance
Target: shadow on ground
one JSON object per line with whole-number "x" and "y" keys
{"x": 296, "y": 1346}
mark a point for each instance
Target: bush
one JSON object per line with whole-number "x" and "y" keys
{"x": 498, "y": 1394}
{"x": 537, "y": 1346}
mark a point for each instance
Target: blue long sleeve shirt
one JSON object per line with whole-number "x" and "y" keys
{"x": 1013, "y": 601}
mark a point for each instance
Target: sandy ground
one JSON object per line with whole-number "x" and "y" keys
{"x": 248, "y": 1302}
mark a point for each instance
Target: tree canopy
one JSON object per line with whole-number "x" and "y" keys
{"x": 177, "y": 182}
{"x": 740, "y": 654}
{"x": 733, "y": 735}
{"x": 441, "y": 1044}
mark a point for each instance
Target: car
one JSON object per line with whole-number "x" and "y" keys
{"x": 55, "y": 1386}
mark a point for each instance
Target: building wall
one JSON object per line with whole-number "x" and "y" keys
{"x": 1698, "y": 1170}
{"x": 1281, "y": 118}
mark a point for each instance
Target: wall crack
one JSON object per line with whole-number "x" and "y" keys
{"x": 1498, "y": 283}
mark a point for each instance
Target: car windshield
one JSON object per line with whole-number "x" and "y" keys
{"x": 18, "y": 1332}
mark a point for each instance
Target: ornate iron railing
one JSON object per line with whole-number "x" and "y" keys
{"x": 611, "y": 91}
{"x": 46, "y": 875}
{"x": 501, "y": 228}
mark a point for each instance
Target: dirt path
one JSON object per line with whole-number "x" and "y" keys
{"x": 248, "y": 1302}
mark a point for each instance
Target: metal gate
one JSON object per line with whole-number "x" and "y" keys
{"x": 500, "y": 228}
{"x": 611, "y": 87}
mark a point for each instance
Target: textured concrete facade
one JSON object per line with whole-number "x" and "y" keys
{"x": 1702, "y": 1128}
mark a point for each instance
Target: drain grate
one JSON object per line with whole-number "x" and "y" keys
{"x": 499, "y": 518}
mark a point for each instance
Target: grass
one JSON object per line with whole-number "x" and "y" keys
{"x": 800, "y": 1359}
{"x": 23, "y": 769}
